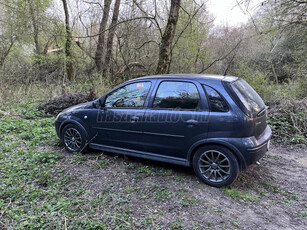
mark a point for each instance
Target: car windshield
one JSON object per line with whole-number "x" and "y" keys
{"x": 248, "y": 96}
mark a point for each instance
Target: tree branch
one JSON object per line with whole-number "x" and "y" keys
{"x": 223, "y": 57}
{"x": 121, "y": 22}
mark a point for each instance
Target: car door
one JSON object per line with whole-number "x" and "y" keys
{"x": 222, "y": 119}
{"x": 176, "y": 117}
{"x": 119, "y": 122}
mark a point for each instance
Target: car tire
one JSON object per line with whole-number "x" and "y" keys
{"x": 74, "y": 139}
{"x": 215, "y": 165}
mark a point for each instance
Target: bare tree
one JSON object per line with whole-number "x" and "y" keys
{"x": 5, "y": 50}
{"x": 167, "y": 38}
{"x": 35, "y": 27}
{"x": 111, "y": 37}
{"x": 101, "y": 37}
{"x": 69, "y": 64}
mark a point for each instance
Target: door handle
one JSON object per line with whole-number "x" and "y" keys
{"x": 191, "y": 123}
{"x": 134, "y": 119}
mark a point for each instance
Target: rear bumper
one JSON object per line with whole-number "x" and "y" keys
{"x": 254, "y": 149}
{"x": 248, "y": 150}
{"x": 254, "y": 154}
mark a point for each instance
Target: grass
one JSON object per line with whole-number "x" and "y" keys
{"x": 147, "y": 221}
{"x": 35, "y": 191}
{"x": 240, "y": 195}
{"x": 39, "y": 189}
{"x": 162, "y": 194}
{"x": 101, "y": 164}
{"x": 176, "y": 224}
{"x": 288, "y": 198}
{"x": 272, "y": 187}
{"x": 235, "y": 223}
{"x": 187, "y": 200}
{"x": 145, "y": 169}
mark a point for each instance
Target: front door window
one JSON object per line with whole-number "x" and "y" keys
{"x": 132, "y": 95}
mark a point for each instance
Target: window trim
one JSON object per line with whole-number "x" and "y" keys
{"x": 198, "y": 109}
{"x": 209, "y": 103}
{"x": 122, "y": 86}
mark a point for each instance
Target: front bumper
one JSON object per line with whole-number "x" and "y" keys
{"x": 57, "y": 128}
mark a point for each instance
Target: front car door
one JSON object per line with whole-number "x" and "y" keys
{"x": 177, "y": 116}
{"x": 119, "y": 122}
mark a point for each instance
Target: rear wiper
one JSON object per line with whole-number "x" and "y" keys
{"x": 262, "y": 111}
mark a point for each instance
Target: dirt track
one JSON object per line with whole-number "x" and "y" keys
{"x": 272, "y": 195}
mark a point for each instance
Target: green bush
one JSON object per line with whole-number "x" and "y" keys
{"x": 288, "y": 120}
{"x": 302, "y": 87}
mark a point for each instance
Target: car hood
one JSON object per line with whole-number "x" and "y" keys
{"x": 87, "y": 105}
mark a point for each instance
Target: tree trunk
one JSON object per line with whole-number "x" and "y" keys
{"x": 168, "y": 37}
{"x": 5, "y": 53}
{"x": 35, "y": 27}
{"x": 100, "y": 45}
{"x": 111, "y": 37}
{"x": 69, "y": 64}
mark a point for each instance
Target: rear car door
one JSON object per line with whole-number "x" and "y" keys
{"x": 119, "y": 122}
{"x": 223, "y": 121}
{"x": 176, "y": 117}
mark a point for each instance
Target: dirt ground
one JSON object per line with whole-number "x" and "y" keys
{"x": 154, "y": 195}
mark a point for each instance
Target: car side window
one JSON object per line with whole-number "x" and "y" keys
{"x": 176, "y": 95}
{"x": 217, "y": 103}
{"x": 132, "y": 95}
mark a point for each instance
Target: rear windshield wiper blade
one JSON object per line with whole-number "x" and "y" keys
{"x": 262, "y": 111}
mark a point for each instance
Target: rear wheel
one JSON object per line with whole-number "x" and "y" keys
{"x": 74, "y": 139}
{"x": 215, "y": 165}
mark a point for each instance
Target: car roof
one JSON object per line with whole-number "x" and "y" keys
{"x": 199, "y": 77}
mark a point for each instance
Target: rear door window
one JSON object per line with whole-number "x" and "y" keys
{"x": 216, "y": 101}
{"x": 176, "y": 95}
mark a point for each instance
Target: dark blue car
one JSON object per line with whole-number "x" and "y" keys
{"x": 217, "y": 124}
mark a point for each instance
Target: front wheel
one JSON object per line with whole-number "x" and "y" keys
{"x": 215, "y": 165}
{"x": 74, "y": 139}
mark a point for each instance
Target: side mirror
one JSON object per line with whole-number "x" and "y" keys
{"x": 101, "y": 102}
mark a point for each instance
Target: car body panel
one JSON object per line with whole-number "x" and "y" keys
{"x": 141, "y": 154}
{"x": 171, "y": 131}
{"x": 116, "y": 127}
{"x": 159, "y": 135}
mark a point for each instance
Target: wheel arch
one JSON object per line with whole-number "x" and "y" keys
{"x": 70, "y": 121}
{"x": 197, "y": 145}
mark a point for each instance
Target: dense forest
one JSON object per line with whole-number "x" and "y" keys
{"x": 51, "y": 47}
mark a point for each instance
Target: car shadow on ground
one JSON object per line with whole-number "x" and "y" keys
{"x": 143, "y": 162}
{"x": 249, "y": 178}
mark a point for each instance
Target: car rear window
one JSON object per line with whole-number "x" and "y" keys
{"x": 248, "y": 97}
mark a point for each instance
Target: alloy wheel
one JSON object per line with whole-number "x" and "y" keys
{"x": 72, "y": 139}
{"x": 214, "y": 166}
